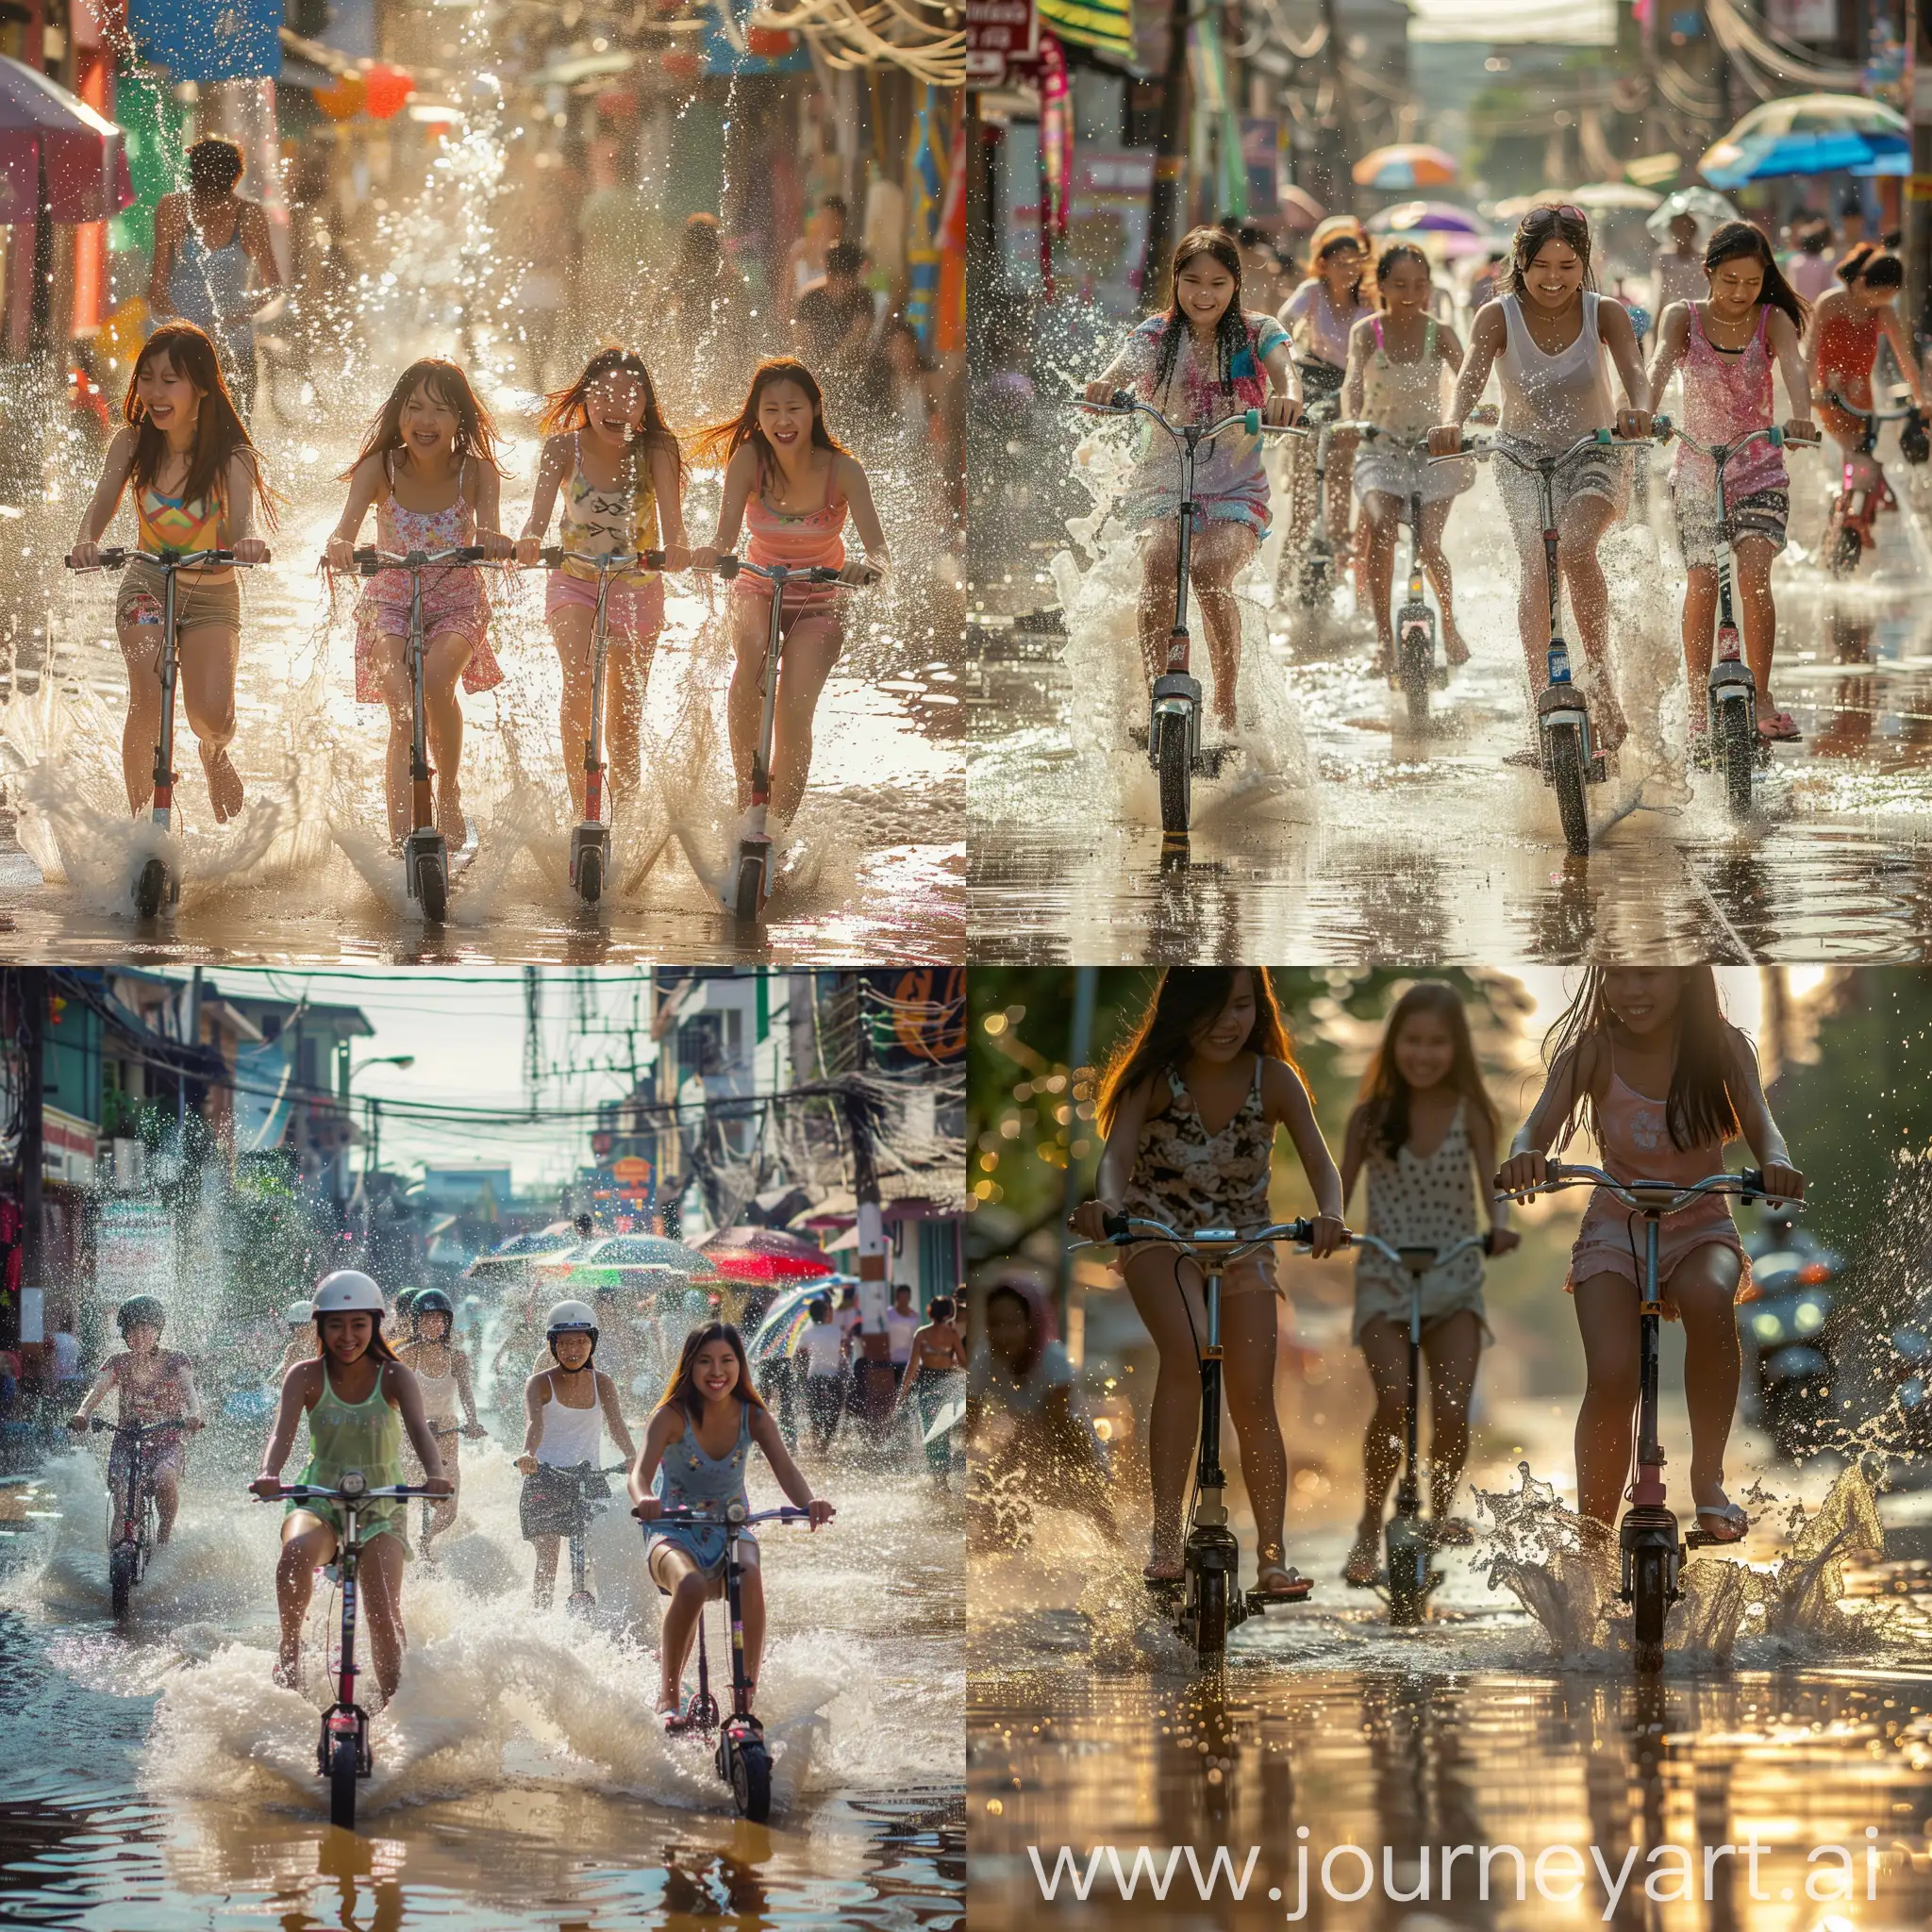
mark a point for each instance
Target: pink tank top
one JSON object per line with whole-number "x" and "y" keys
{"x": 1726, "y": 396}
{"x": 794, "y": 542}
{"x": 1634, "y": 1134}
{"x": 400, "y": 531}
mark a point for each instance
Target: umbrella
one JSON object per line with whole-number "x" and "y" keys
{"x": 1427, "y": 218}
{"x": 1808, "y": 134}
{"x": 630, "y": 1251}
{"x": 786, "y": 1319}
{"x": 764, "y": 1254}
{"x": 1409, "y": 164}
{"x": 1298, "y": 209}
{"x": 1604, "y": 197}
{"x": 43, "y": 126}
{"x": 1705, "y": 202}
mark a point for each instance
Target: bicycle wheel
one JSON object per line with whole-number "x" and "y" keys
{"x": 1176, "y": 777}
{"x": 1650, "y": 1575}
{"x": 1210, "y": 1614}
{"x": 751, "y": 1779}
{"x": 1414, "y": 676}
{"x": 1407, "y": 1560}
{"x": 1737, "y": 755}
{"x": 432, "y": 886}
{"x": 122, "y": 1560}
{"x": 150, "y": 887}
{"x": 1566, "y": 774}
{"x": 1847, "y": 547}
{"x": 749, "y": 894}
{"x": 342, "y": 1781}
{"x": 591, "y": 876}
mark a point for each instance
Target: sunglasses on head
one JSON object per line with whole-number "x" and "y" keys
{"x": 1563, "y": 211}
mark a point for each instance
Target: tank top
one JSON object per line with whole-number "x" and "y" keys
{"x": 1726, "y": 396}
{"x": 570, "y": 1435}
{"x": 210, "y": 286}
{"x": 596, "y": 523}
{"x": 1424, "y": 1201}
{"x": 1553, "y": 400}
{"x": 1192, "y": 1179}
{"x": 1405, "y": 398}
{"x": 793, "y": 540}
{"x": 692, "y": 1478}
{"x": 438, "y": 1399}
{"x": 401, "y": 530}
{"x": 173, "y": 522}
{"x": 1324, "y": 333}
{"x": 1847, "y": 348}
{"x": 1634, "y": 1134}
{"x": 353, "y": 1435}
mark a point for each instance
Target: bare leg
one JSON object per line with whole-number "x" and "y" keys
{"x": 307, "y": 1543}
{"x": 689, "y": 1592}
{"x": 442, "y": 1511}
{"x": 627, "y": 672}
{"x": 1755, "y": 557}
{"x": 141, "y": 643}
{"x": 393, "y": 669}
{"x": 1248, "y": 1323}
{"x": 1385, "y": 1348}
{"x": 751, "y": 1599}
{"x": 381, "y": 1575}
{"x": 208, "y": 657}
{"x": 1214, "y": 559}
{"x": 546, "y": 1583}
{"x": 1580, "y": 530}
{"x": 443, "y": 665}
{"x": 1436, "y": 562}
{"x": 1157, "y": 1285}
{"x": 570, "y": 630}
{"x": 1382, "y": 513}
{"x": 811, "y": 651}
{"x": 1452, "y": 1347}
{"x": 1341, "y": 496}
{"x": 167, "y": 1503}
{"x": 1159, "y": 560}
{"x": 1700, "y": 617}
{"x": 1703, "y": 1288}
{"x": 1606, "y": 1315}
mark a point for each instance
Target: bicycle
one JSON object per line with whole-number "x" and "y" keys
{"x": 742, "y": 1758}
{"x": 1314, "y": 568}
{"x": 1205, "y": 1598}
{"x": 129, "y": 1555}
{"x": 590, "y": 840}
{"x": 1408, "y": 1576}
{"x": 158, "y": 883}
{"x": 1174, "y": 721}
{"x": 1650, "y": 1553}
{"x": 1863, "y": 492}
{"x": 591, "y": 1494}
{"x": 1566, "y": 748}
{"x": 342, "y": 1755}
{"x": 1734, "y": 746}
{"x": 751, "y": 874}
{"x": 425, "y": 852}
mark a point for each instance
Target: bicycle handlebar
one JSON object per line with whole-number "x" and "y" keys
{"x": 1119, "y": 1231}
{"x": 1443, "y": 1255}
{"x": 1837, "y": 402}
{"x": 1748, "y": 1186}
{"x": 292, "y": 1491}
{"x": 165, "y": 559}
{"x": 369, "y": 560}
{"x": 733, "y": 1517}
{"x": 1122, "y": 403}
{"x": 553, "y": 556}
{"x": 99, "y": 1423}
{"x": 1661, "y": 430}
{"x": 1724, "y": 452}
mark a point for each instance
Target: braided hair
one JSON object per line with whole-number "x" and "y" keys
{"x": 1230, "y": 332}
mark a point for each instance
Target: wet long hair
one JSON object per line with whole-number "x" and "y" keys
{"x": 1186, "y": 998}
{"x": 1397, "y": 251}
{"x": 220, "y": 434}
{"x": 681, "y": 1391}
{"x": 1385, "y": 1095}
{"x": 1700, "y": 1108}
{"x": 1230, "y": 332}
{"x": 446, "y": 384}
{"x": 569, "y": 407}
{"x": 718, "y": 442}
{"x": 378, "y": 1343}
{"x": 1732, "y": 240}
{"x": 1872, "y": 263}
{"x": 1540, "y": 225}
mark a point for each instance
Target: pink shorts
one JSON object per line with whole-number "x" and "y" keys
{"x": 456, "y": 606}
{"x": 1612, "y": 1241}
{"x": 803, "y": 610}
{"x": 633, "y": 609}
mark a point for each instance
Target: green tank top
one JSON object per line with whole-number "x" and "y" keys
{"x": 355, "y": 1434}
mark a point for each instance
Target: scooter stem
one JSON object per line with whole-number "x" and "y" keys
{"x": 1649, "y": 1486}
{"x": 164, "y": 746}
{"x": 761, "y": 762}
{"x": 734, "y": 1597}
{"x": 419, "y": 749}
{"x": 1211, "y": 1509}
{"x": 594, "y": 745}
{"x": 1177, "y": 640}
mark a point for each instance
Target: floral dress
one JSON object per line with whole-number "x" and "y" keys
{"x": 1230, "y": 485}
{"x": 1421, "y": 1201}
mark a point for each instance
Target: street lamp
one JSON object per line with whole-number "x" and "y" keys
{"x": 386, "y": 1059}
{"x": 369, "y": 1163}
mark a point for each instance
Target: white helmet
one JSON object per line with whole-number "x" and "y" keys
{"x": 348, "y": 1291}
{"x": 568, "y": 1318}
{"x": 299, "y": 1314}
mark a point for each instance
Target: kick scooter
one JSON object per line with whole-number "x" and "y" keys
{"x": 593, "y": 1493}
{"x": 1734, "y": 745}
{"x": 127, "y": 1559}
{"x": 156, "y": 884}
{"x": 742, "y": 1758}
{"x": 1650, "y": 1551}
{"x": 1862, "y": 491}
{"x": 1408, "y": 1576}
{"x": 342, "y": 1752}
{"x": 1567, "y": 750}
{"x": 425, "y": 852}
{"x": 1206, "y": 1599}
{"x": 1173, "y": 723}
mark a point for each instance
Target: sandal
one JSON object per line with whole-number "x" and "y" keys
{"x": 1291, "y": 1588}
{"x": 1161, "y": 1575}
{"x": 1779, "y": 728}
{"x": 1725, "y": 1523}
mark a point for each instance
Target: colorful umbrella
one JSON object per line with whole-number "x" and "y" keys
{"x": 785, "y": 1322}
{"x": 1705, "y": 204}
{"x": 1427, "y": 218}
{"x": 1604, "y": 197}
{"x": 1409, "y": 164}
{"x": 1808, "y": 134}
{"x": 764, "y": 1254}
{"x": 1297, "y": 208}
{"x": 630, "y": 1251}
{"x": 42, "y": 126}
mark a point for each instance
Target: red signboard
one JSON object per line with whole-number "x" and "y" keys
{"x": 999, "y": 33}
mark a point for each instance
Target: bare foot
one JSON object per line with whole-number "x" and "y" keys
{"x": 288, "y": 1669}
{"x": 223, "y": 783}
{"x": 449, "y": 816}
{"x": 1365, "y": 1558}
{"x": 1453, "y": 646}
{"x": 1612, "y": 728}
{"x": 1385, "y": 657}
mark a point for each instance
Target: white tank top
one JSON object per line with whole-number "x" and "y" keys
{"x": 1553, "y": 400}
{"x": 439, "y": 1400}
{"x": 570, "y": 1435}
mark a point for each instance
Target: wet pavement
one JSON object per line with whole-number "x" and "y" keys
{"x": 1372, "y": 842}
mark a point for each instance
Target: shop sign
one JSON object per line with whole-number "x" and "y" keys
{"x": 999, "y": 33}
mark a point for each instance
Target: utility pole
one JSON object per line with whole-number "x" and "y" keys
{"x": 873, "y": 1342}
{"x": 533, "y": 1032}
{"x": 33, "y": 1001}
{"x": 1170, "y": 162}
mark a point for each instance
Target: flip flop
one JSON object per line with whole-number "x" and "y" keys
{"x": 1783, "y": 730}
{"x": 1731, "y": 1523}
{"x": 1298, "y": 1585}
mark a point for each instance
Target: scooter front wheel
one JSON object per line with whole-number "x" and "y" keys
{"x": 123, "y": 1561}
{"x": 748, "y": 894}
{"x": 1408, "y": 1560}
{"x": 1650, "y": 1601}
{"x": 1847, "y": 546}
{"x": 751, "y": 1778}
{"x": 1565, "y": 754}
{"x": 1737, "y": 754}
{"x": 432, "y": 886}
{"x": 150, "y": 887}
{"x": 1210, "y": 1615}
{"x": 341, "y": 1780}
{"x": 591, "y": 876}
{"x": 1176, "y": 777}
{"x": 1414, "y": 675}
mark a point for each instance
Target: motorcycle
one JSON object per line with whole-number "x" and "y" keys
{"x": 1782, "y": 1319}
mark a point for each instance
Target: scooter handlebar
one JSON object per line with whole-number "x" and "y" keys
{"x": 1121, "y": 1229}
{"x": 175, "y": 560}
{"x": 99, "y": 1423}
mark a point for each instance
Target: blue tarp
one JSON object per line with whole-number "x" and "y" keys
{"x": 208, "y": 40}
{"x": 1762, "y": 157}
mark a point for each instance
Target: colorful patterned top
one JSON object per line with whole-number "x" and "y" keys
{"x": 172, "y": 523}
{"x": 1727, "y": 395}
{"x": 1192, "y": 1179}
{"x": 1230, "y": 485}
{"x": 598, "y": 521}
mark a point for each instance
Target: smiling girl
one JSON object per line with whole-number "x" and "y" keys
{"x": 790, "y": 483}
{"x": 609, "y": 448}
{"x": 1206, "y": 357}
{"x": 358, "y": 1400}
{"x": 1645, "y": 1061}
{"x": 1843, "y": 345}
{"x": 1425, "y": 1131}
{"x": 428, "y": 464}
{"x": 196, "y": 478}
{"x": 1546, "y": 337}
{"x": 1211, "y": 1046}
{"x": 695, "y": 1454}
{"x": 1727, "y": 346}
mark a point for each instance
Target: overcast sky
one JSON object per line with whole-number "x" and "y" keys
{"x": 1583, "y": 23}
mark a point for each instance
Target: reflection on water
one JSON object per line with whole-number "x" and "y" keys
{"x": 1432, "y": 847}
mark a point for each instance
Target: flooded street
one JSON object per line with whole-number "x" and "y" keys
{"x": 1372, "y": 842}
{"x": 157, "y": 1778}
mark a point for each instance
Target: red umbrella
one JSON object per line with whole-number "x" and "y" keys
{"x": 763, "y": 1254}
{"x": 42, "y": 126}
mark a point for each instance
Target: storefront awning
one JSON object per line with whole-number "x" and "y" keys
{"x": 1107, "y": 25}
